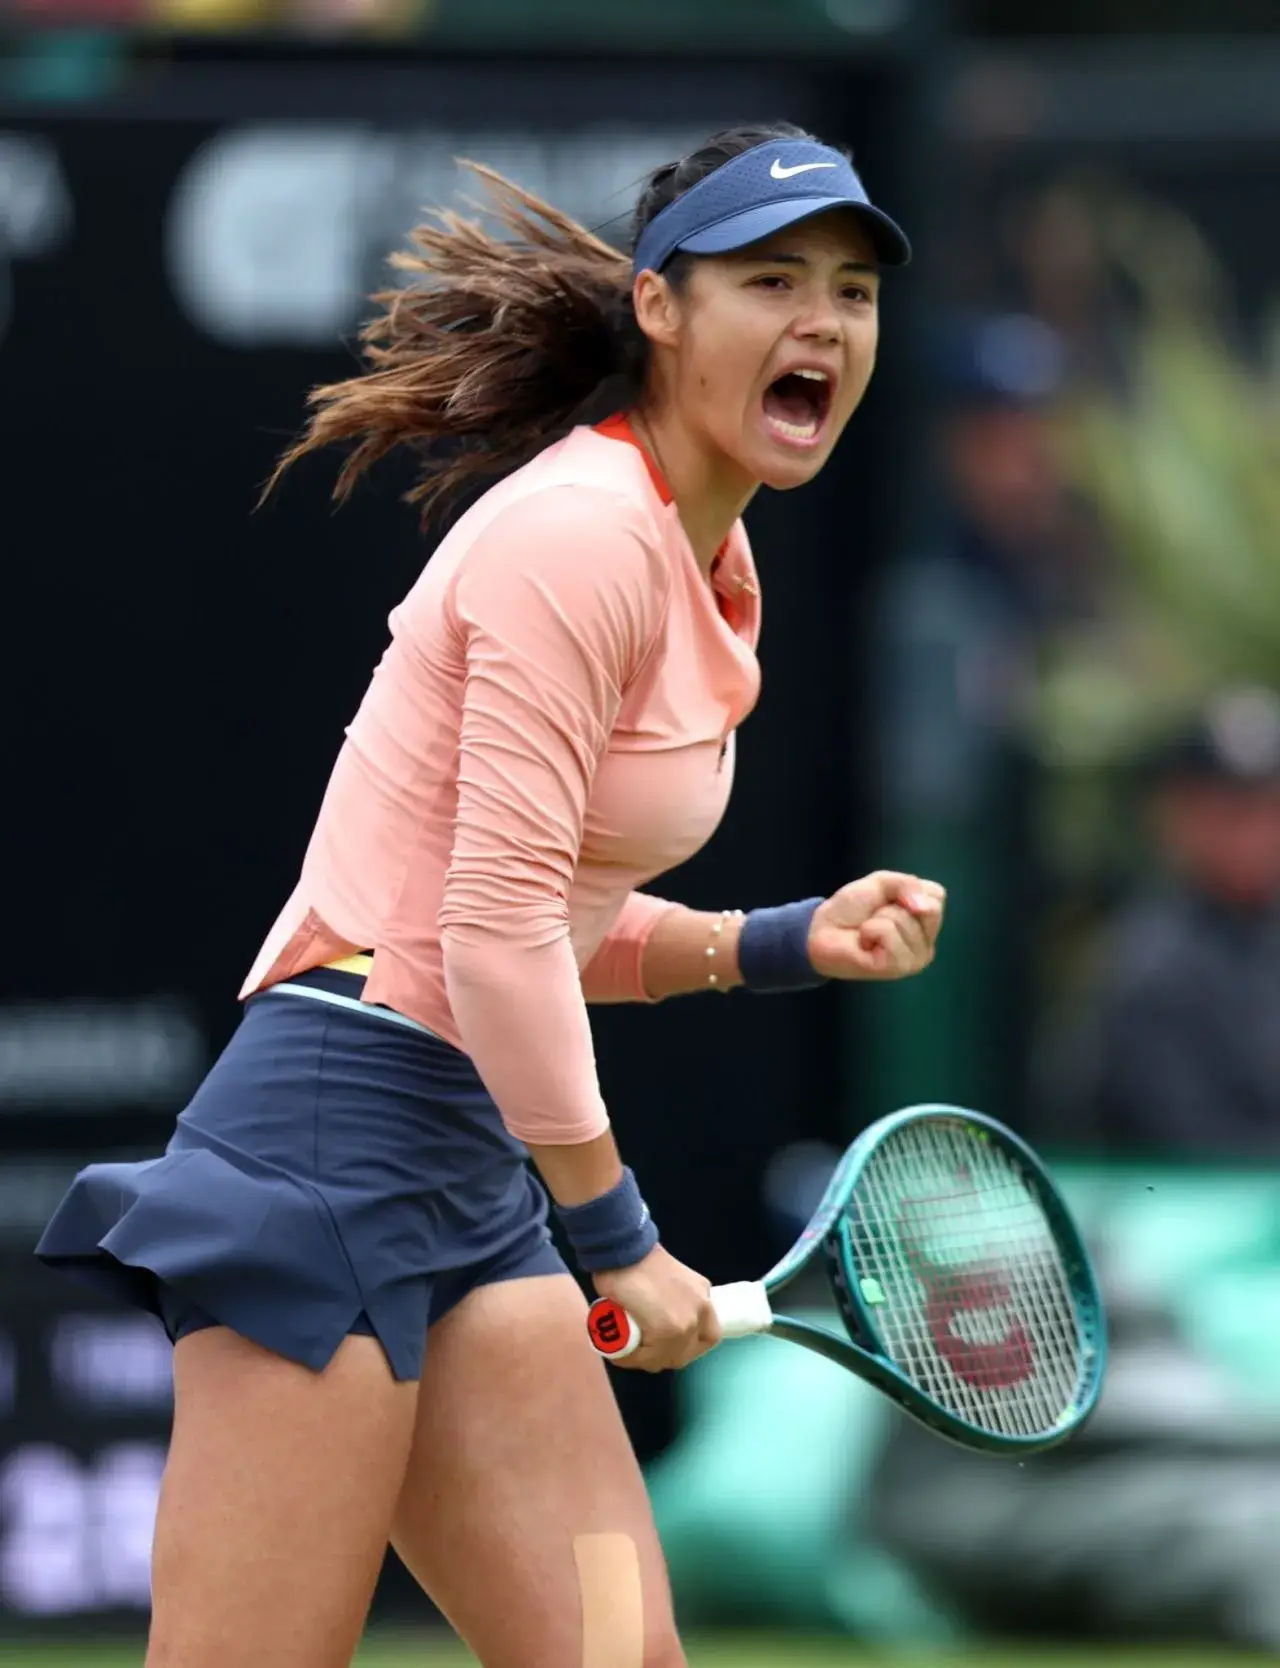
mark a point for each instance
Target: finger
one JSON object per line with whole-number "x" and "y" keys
{"x": 896, "y": 939}
{"x": 890, "y": 884}
{"x": 929, "y": 918}
{"x": 702, "y": 1343}
{"x": 913, "y": 947}
{"x": 639, "y": 1362}
{"x": 926, "y": 917}
{"x": 893, "y": 925}
{"x": 653, "y": 1352}
{"x": 649, "y": 1358}
{"x": 695, "y": 1352}
{"x": 669, "y": 1357}
{"x": 924, "y": 898}
{"x": 930, "y": 888}
{"x": 872, "y": 954}
{"x": 671, "y": 1346}
{"x": 704, "y": 1336}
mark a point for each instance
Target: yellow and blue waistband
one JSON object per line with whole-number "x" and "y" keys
{"x": 336, "y": 983}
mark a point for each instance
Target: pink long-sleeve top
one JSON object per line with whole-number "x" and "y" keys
{"x": 551, "y": 727}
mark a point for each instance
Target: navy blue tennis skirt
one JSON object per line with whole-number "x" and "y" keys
{"x": 339, "y": 1170}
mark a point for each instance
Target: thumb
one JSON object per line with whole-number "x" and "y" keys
{"x": 708, "y": 1324}
{"x": 871, "y": 937}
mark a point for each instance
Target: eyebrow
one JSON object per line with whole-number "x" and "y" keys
{"x": 867, "y": 268}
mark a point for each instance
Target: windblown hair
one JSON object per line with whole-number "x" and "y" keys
{"x": 497, "y": 346}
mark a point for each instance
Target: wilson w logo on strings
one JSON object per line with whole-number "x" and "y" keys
{"x": 970, "y": 1306}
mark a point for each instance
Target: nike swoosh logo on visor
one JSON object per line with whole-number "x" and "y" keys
{"x": 780, "y": 173}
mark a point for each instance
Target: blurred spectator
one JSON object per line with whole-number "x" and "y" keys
{"x": 1180, "y": 1052}
{"x": 1058, "y": 252}
{"x": 963, "y": 619}
{"x": 1012, "y": 515}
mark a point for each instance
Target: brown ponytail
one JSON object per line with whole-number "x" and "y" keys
{"x": 491, "y": 352}
{"x": 496, "y": 348}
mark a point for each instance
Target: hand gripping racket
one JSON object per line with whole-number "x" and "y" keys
{"x": 963, "y": 1285}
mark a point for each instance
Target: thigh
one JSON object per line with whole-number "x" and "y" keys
{"x": 524, "y": 1513}
{"x": 276, "y": 1505}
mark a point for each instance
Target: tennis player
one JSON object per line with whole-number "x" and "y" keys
{"x": 376, "y": 1340}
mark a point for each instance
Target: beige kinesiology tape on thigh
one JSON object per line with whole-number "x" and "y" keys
{"x": 612, "y": 1601}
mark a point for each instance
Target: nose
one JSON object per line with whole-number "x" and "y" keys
{"x": 817, "y": 320}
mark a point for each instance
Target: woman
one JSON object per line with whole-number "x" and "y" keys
{"x": 551, "y": 727}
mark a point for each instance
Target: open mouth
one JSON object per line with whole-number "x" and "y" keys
{"x": 796, "y": 406}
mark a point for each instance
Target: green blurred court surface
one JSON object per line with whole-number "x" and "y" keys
{"x": 737, "y": 1652}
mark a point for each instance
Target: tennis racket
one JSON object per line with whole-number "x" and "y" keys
{"x": 963, "y": 1284}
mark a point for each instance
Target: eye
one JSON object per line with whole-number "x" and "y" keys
{"x": 858, "y": 292}
{"x": 771, "y": 281}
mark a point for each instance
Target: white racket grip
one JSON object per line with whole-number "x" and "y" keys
{"x": 742, "y": 1307}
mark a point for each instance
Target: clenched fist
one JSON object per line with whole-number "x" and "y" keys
{"x": 670, "y": 1303}
{"x": 884, "y": 926}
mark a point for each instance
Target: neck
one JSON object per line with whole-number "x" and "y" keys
{"x": 710, "y": 492}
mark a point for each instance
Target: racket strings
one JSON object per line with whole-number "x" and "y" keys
{"x": 966, "y": 1283}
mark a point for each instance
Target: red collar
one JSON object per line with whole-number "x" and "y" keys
{"x": 618, "y": 427}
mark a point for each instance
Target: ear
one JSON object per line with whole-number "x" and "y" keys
{"x": 657, "y": 308}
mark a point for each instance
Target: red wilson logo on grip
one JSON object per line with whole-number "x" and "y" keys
{"x": 609, "y": 1327}
{"x": 977, "y": 1293}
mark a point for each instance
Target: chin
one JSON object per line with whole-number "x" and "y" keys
{"x": 785, "y": 474}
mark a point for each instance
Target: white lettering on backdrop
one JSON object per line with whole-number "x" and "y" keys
{"x": 277, "y": 234}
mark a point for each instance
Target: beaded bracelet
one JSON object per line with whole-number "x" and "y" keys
{"x": 713, "y": 949}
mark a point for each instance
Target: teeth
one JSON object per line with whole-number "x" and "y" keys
{"x": 793, "y": 431}
{"x": 814, "y": 376}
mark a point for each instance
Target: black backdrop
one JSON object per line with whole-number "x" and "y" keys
{"x": 180, "y": 669}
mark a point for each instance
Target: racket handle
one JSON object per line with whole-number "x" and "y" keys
{"x": 742, "y": 1307}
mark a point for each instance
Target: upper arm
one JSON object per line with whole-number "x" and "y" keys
{"x": 554, "y": 609}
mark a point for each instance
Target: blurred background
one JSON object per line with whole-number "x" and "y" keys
{"x": 1023, "y": 636}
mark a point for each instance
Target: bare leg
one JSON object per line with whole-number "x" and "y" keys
{"x": 276, "y": 1505}
{"x": 524, "y": 1514}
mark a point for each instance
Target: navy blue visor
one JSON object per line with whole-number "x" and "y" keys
{"x": 761, "y": 192}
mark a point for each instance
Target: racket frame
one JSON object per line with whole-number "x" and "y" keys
{"x": 826, "y": 1239}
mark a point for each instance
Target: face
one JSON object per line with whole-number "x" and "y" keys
{"x": 1224, "y": 838}
{"x": 767, "y": 352}
{"x": 1003, "y": 470}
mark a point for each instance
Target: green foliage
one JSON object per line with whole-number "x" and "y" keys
{"x": 1180, "y": 457}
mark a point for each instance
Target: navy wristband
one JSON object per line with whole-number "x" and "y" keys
{"x": 613, "y": 1231}
{"x": 773, "y": 948}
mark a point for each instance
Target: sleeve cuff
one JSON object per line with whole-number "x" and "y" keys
{"x": 616, "y": 972}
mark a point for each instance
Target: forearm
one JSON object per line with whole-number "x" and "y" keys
{"x": 691, "y": 950}
{"x": 585, "y": 1170}
{"x": 522, "y": 1021}
{"x": 657, "y": 949}
{"x": 598, "y": 1202}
